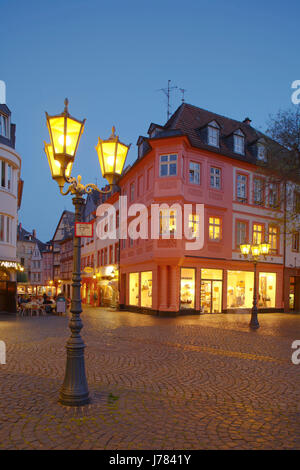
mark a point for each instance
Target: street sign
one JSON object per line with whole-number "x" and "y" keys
{"x": 84, "y": 229}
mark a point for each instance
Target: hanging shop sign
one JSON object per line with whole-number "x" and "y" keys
{"x": 84, "y": 229}
{"x": 88, "y": 270}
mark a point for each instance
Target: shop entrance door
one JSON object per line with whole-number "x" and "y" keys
{"x": 211, "y": 296}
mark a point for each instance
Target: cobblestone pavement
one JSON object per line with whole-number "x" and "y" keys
{"x": 196, "y": 382}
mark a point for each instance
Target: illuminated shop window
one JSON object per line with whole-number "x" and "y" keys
{"x": 146, "y": 289}
{"x": 240, "y": 289}
{"x": 211, "y": 290}
{"x": 134, "y": 288}
{"x": 214, "y": 228}
{"x": 187, "y": 288}
{"x": 267, "y": 290}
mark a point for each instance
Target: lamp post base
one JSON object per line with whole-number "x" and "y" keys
{"x": 254, "y": 325}
{"x": 74, "y": 391}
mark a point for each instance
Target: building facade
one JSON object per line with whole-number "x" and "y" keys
{"x": 199, "y": 157}
{"x": 11, "y": 187}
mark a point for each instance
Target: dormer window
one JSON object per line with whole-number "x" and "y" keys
{"x": 239, "y": 142}
{"x": 261, "y": 152}
{"x": 213, "y": 134}
{"x": 3, "y": 125}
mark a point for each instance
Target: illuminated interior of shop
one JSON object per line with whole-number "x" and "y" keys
{"x": 211, "y": 290}
{"x": 267, "y": 290}
{"x": 187, "y": 288}
{"x": 134, "y": 289}
{"x": 240, "y": 289}
{"x": 146, "y": 289}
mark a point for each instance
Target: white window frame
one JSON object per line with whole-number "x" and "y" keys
{"x": 194, "y": 171}
{"x": 168, "y": 162}
{"x": 215, "y": 177}
{"x": 213, "y": 134}
{"x": 239, "y": 142}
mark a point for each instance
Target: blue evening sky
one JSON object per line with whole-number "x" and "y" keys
{"x": 109, "y": 58}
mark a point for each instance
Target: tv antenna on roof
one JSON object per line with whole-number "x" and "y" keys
{"x": 167, "y": 92}
{"x": 182, "y": 90}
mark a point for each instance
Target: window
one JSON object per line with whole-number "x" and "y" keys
{"x": 131, "y": 192}
{"x": 117, "y": 253}
{"x": 273, "y": 238}
{"x": 187, "y": 288}
{"x": 194, "y": 224}
{"x": 240, "y": 289}
{"x": 146, "y": 289}
{"x": 168, "y": 165}
{"x": 215, "y": 177}
{"x": 273, "y": 195}
{"x": 258, "y": 231}
{"x": 239, "y": 142}
{"x": 149, "y": 177}
{"x": 5, "y": 228}
{"x": 241, "y": 233}
{"x": 241, "y": 187}
{"x": 258, "y": 197}
{"x": 213, "y": 134}
{"x": 3, "y": 174}
{"x": 3, "y": 125}
{"x": 194, "y": 173}
{"x": 297, "y": 202}
{"x": 214, "y": 228}
{"x": 295, "y": 242}
{"x": 267, "y": 290}
{"x": 167, "y": 221}
{"x": 134, "y": 289}
{"x": 261, "y": 152}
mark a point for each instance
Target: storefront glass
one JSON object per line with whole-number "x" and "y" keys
{"x": 211, "y": 290}
{"x": 134, "y": 288}
{"x": 187, "y": 288}
{"x": 146, "y": 289}
{"x": 240, "y": 289}
{"x": 267, "y": 290}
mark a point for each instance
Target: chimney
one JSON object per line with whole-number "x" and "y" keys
{"x": 34, "y": 233}
{"x": 247, "y": 121}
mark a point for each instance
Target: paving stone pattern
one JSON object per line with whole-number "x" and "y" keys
{"x": 194, "y": 382}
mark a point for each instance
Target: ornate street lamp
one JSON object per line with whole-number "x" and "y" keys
{"x": 256, "y": 251}
{"x": 65, "y": 132}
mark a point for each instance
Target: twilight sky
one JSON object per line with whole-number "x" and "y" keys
{"x": 110, "y": 57}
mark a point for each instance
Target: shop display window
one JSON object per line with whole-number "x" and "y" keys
{"x": 187, "y": 288}
{"x": 146, "y": 289}
{"x": 134, "y": 289}
{"x": 267, "y": 290}
{"x": 240, "y": 289}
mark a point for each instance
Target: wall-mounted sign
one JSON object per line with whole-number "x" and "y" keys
{"x": 84, "y": 229}
{"x": 88, "y": 270}
{"x": 11, "y": 264}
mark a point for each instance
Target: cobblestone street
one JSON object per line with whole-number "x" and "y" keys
{"x": 196, "y": 382}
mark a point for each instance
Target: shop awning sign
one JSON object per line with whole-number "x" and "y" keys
{"x": 84, "y": 229}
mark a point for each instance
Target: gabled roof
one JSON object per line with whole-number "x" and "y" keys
{"x": 25, "y": 236}
{"x": 65, "y": 226}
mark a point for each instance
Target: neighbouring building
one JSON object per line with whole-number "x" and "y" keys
{"x": 99, "y": 258}
{"x": 29, "y": 251}
{"x": 62, "y": 257}
{"x": 11, "y": 187}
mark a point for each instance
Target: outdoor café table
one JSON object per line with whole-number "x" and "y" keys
{"x": 30, "y": 308}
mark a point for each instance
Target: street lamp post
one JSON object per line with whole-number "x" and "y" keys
{"x": 65, "y": 132}
{"x": 256, "y": 251}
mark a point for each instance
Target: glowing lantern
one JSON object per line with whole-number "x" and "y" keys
{"x": 112, "y": 155}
